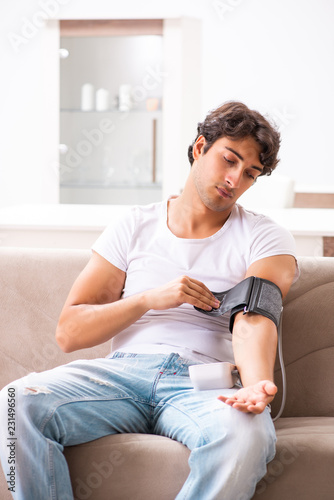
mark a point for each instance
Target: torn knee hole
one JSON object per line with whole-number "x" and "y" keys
{"x": 34, "y": 390}
{"x": 101, "y": 382}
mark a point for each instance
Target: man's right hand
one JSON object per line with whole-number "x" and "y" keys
{"x": 93, "y": 313}
{"x": 182, "y": 290}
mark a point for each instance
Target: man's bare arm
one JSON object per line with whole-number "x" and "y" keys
{"x": 85, "y": 319}
{"x": 255, "y": 340}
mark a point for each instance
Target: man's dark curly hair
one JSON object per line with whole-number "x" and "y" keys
{"x": 236, "y": 121}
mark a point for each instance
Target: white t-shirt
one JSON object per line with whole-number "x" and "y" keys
{"x": 141, "y": 244}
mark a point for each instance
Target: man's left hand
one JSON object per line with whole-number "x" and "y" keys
{"x": 252, "y": 399}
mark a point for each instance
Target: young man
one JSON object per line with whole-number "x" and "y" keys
{"x": 146, "y": 273}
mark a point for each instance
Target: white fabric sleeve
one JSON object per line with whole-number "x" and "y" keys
{"x": 269, "y": 239}
{"x": 113, "y": 244}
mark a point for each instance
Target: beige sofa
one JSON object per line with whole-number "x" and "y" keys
{"x": 33, "y": 286}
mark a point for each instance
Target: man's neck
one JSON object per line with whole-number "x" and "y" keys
{"x": 187, "y": 219}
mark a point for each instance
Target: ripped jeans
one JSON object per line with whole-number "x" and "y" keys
{"x": 140, "y": 393}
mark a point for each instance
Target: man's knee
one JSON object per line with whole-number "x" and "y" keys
{"x": 246, "y": 431}
{"x": 21, "y": 400}
{"x": 257, "y": 436}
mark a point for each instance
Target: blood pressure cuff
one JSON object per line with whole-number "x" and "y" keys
{"x": 253, "y": 294}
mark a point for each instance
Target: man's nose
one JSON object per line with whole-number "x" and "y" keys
{"x": 233, "y": 177}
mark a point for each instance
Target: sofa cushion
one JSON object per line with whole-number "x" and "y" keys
{"x": 128, "y": 466}
{"x": 33, "y": 287}
{"x": 303, "y": 467}
{"x": 147, "y": 467}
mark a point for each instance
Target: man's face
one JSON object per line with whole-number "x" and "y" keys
{"x": 225, "y": 171}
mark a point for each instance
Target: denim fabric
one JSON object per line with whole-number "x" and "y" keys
{"x": 145, "y": 393}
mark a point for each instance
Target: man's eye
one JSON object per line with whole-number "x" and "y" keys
{"x": 251, "y": 176}
{"x": 231, "y": 162}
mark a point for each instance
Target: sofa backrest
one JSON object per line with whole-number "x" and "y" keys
{"x": 34, "y": 284}
{"x": 308, "y": 341}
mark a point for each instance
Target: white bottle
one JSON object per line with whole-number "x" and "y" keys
{"x": 102, "y": 100}
{"x": 125, "y": 97}
{"x": 87, "y": 97}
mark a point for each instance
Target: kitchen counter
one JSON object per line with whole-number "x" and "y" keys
{"x": 78, "y": 226}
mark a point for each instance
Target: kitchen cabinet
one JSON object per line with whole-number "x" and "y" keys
{"x": 111, "y": 119}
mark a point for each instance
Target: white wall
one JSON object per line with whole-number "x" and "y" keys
{"x": 274, "y": 55}
{"x": 28, "y": 125}
{"x": 277, "y": 56}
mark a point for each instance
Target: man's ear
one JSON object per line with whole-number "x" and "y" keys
{"x": 198, "y": 147}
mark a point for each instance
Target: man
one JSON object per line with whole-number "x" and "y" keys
{"x": 146, "y": 273}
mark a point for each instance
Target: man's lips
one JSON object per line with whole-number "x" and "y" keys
{"x": 224, "y": 193}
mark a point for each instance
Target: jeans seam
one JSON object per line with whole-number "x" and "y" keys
{"x": 52, "y": 473}
{"x": 203, "y": 434}
{"x": 151, "y": 402}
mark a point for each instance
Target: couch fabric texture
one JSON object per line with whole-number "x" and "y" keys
{"x": 34, "y": 284}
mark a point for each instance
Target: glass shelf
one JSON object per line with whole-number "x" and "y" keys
{"x": 109, "y": 153}
{"x": 110, "y": 149}
{"x": 111, "y": 186}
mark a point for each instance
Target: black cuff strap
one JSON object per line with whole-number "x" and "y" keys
{"x": 250, "y": 295}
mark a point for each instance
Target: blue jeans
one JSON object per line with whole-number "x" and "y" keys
{"x": 145, "y": 393}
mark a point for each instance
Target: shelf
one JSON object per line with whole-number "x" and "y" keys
{"x": 156, "y": 185}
